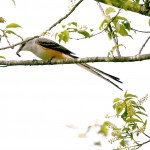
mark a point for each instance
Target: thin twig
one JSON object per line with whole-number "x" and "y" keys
{"x": 115, "y": 39}
{"x": 146, "y": 135}
{"x": 140, "y": 30}
{"x": 37, "y": 36}
{"x": 101, "y": 9}
{"x": 138, "y": 146}
{"x": 140, "y": 51}
{"x": 68, "y": 14}
{"x": 4, "y": 35}
{"x": 92, "y": 35}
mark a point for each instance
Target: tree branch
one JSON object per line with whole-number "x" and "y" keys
{"x": 140, "y": 51}
{"x": 66, "y": 16}
{"x": 140, "y": 31}
{"x": 52, "y": 26}
{"x": 74, "y": 61}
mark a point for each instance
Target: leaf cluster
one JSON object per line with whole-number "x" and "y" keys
{"x": 130, "y": 110}
{"x": 119, "y": 25}
{"x": 131, "y": 116}
{"x": 70, "y": 28}
{"x": 9, "y": 30}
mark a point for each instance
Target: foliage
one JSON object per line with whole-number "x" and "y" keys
{"x": 119, "y": 25}
{"x": 128, "y": 4}
{"x": 128, "y": 110}
{"x": 6, "y": 31}
{"x": 113, "y": 24}
{"x": 137, "y": 6}
{"x": 130, "y": 113}
{"x": 70, "y": 28}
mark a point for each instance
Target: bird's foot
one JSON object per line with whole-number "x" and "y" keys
{"x": 50, "y": 60}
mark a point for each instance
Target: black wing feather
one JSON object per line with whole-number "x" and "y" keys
{"x": 47, "y": 43}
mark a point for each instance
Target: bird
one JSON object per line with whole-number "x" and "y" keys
{"x": 47, "y": 50}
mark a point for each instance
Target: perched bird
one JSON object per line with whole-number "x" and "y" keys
{"x": 47, "y": 49}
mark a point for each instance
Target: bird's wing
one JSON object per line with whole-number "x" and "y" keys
{"x": 47, "y": 43}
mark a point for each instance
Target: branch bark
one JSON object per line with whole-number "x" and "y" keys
{"x": 4, "y": 63}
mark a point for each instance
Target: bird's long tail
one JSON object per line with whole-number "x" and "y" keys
{"x": 100, "y": 74}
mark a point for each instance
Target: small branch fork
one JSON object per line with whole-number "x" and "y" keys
{"x": 115, "y": 39}
{"x": 52, "y": 26}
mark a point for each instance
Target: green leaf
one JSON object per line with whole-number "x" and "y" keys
{"x": 73, "y": 23}
{"x": 123, "y": 143}
{"x": 116, "y": 99}
{"x": 133, "y": 102}
{"x": 121, "y": 30}
{"x": 64, "y": 36}
{"x": 126, "y": 129}
{"x": 63, "y": 26}
{"x": 142, "y": 108}
{"x": 126, "y": 95}
{"x": 109, "y": 10}
{"x": 103, "y": 24}
{"x": 109, "y": 35}
{"x": 114, "y": 106}
{"x": 119, "y": 109}
{"x": 131, "y": 136}
{"x": 129, "y": 98}
{"x": 12, "y": 32}
{"x": 2, "y": 57}
{"x": 138, "y": 117}
{"x": 56, "y": 34}
{"x": 134, "y": 126}
{"x": 91, "y": 30}
{"x": 13, "y": 25}
{"x": 84, "y": 33}
{"x": 145, "y": 123}
{"x": 120, "y": 18}
{"x": 116, "y": 46}
{"x": 124, "y": 115}
{"x": 149, "y": 22}
{"x": 127, "y": 25}
{"x": 103, "y": 129}
{"x": 2, "y": 20}
{"x": 140, "y": 112}
{"x": 133, "y": 120}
